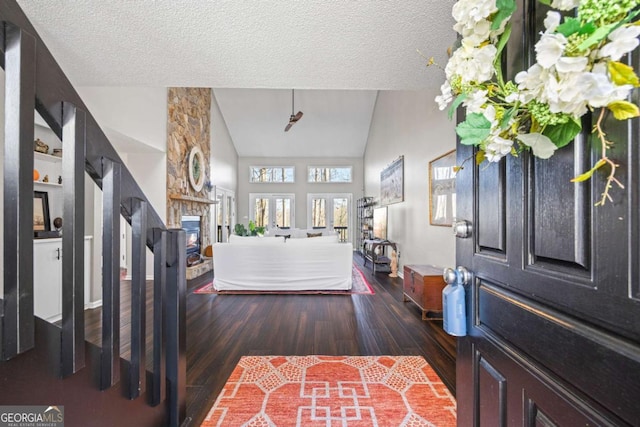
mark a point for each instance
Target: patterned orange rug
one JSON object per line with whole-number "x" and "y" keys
{"x": 327, "y": 391}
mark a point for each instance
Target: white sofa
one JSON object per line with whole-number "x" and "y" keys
{"x": 279, "y": 264}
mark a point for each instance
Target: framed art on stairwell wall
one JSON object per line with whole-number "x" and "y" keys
{"x": 442, "y": 189}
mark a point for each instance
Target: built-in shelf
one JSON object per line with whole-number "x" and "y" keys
{"x": 50, "y": 184}
{"x": 47, "y": 157}
{"x": 187, "y": 198}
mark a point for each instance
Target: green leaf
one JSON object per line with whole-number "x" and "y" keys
{"x": 597, "y": 36}
{"x": 564, "y": 133}
{"x": 622, "y": 74}
{"x": 504, "y": 38}
{"x": 569, "y": 26}
{"x": 547, "y": 2}
{"x": 587, "y": 28}
{"x": 459, "y": 99}
{"x": 480, "y": 157}
{"x": 585, "y": 176}
{"x": 505, "y": 9}
{"x": 504, "y": 123}
{"x": 497, "y": 62}
{"x": 474, "y": 129}
{"x": 623, "y": 110}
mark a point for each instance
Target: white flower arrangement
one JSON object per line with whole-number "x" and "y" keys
{"x": 577, "y": 70}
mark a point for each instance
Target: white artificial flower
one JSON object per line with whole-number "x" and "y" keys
{"x": 565, "y": 4}
{"x": 565, "y": 94}
{"x": 552, "y": 21}
{"x": 599, "y": 91}
{"x": 571, "y": 64}
{"x": 531, "y": 82}
{"x": 497, "y": 149}
{"x": 472, "y": 64}
{"x": 549, "y": 49}
{"x": 476, "y": 35}
{"x": 541, "y": 145}
{"x": 469, "y": 12}
{"x": 446, "y": 97}
{"x": 489, "y": 113}
{"x": 623, "y": 40}
{"x": 475, "y": 100}
{"x": 513, "y": 97}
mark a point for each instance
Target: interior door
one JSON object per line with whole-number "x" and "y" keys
{"x": 272, "y": 210}
{"x": 225, "y": 214}
{"x": 332, "y": 211}
{"x": 553, "y": 310}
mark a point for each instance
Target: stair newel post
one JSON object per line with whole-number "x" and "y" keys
{"x": 176, "y": 326}
{"x": 157, "y": 388}
{"x": 18, "y": 328}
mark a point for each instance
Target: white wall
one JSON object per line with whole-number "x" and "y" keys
{"x": 224, "y": 158}
{"x": 140, "y": 113}
{"x": 135, "y": 121}
{"x": 301, "y": 187}
{"x": 409, "y": 123}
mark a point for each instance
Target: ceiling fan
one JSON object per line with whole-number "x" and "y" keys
{"x": 294, "y": 117}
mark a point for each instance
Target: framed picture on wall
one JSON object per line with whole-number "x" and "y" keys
{"x": 41, "y": 211}
{"x": 442, "y": 189}
{"x": 392, "y": 182}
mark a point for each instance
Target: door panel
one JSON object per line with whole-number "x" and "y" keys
{"x": 553, "y": 309}
{"x": 561, "y": 236}
{"x": 493, "y": 394}
{"x": 492, "y": 213}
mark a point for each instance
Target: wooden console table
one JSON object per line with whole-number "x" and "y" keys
{"x": 378, "y": 260}
{"x": 423, "y": 284}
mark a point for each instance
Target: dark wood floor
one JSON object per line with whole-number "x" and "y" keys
{"x": 222, "y": 328}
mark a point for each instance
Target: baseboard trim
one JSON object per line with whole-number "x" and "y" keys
{"x": 128, "y": 277}
{"x": 93, "y": 304}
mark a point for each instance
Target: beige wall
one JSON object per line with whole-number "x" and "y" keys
{"x": 409, "y": 124}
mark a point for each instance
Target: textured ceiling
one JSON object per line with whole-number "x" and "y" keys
{"x": 328, "y": 45}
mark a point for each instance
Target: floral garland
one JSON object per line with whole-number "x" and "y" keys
{"x": 578, "y": 69}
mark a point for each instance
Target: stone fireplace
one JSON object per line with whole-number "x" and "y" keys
{"x": 188, "y": 130}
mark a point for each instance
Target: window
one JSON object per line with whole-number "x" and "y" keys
{"x": 272, "y": 210}
{"x": 329, "y": 174}
{"x": 272, "y": 174}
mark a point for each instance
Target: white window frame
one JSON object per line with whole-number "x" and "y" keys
{"x": 350, "y": 167}
{"x": 252, "y": 168}
{"x": 272, "y": 206}
{"x": 329, "y": 208}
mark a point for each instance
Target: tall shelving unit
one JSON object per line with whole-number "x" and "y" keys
{"x": 365, "y": 222}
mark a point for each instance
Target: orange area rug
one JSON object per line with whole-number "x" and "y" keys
{"x": 327, "y": 391}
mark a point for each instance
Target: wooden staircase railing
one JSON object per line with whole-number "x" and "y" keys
{"x": 34, "y": 81}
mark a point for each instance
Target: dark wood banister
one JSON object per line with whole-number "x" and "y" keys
{"x": 36, "y": 72}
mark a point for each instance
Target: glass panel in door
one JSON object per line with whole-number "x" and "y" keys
{"x": 318, "y": 213}
{"x": 219, "y": 218}
{"x": 228, "y": 206}
{"x": 261, "y": 212}
{"x": 341, "y": 217}
{"x": 283, "y": 212}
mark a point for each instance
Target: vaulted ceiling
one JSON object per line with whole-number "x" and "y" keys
{"x": 336, "y": 54}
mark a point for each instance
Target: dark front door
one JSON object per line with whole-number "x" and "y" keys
{"x": 553, "y": 305}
